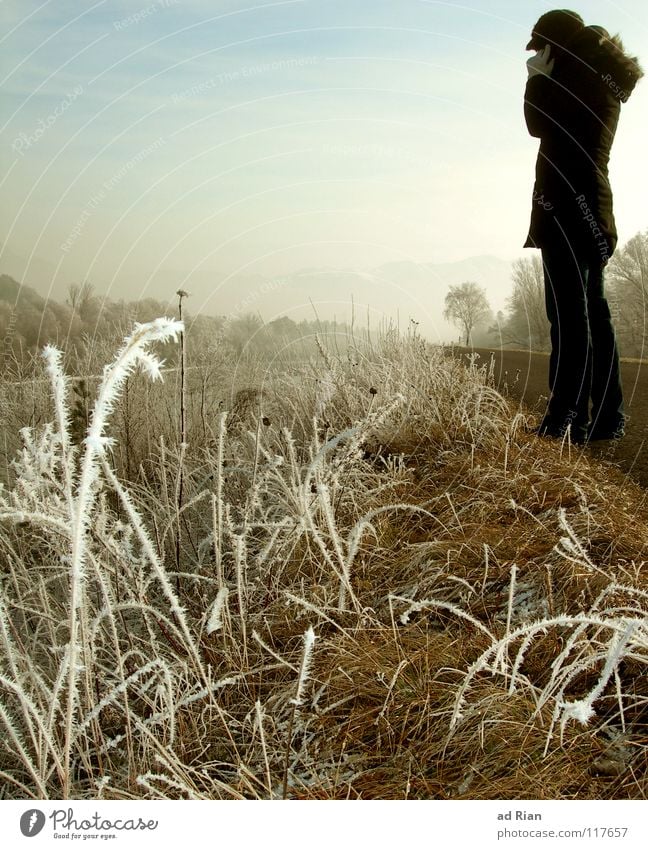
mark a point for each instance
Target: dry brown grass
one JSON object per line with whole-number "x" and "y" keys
{"x": 415, "y": 527}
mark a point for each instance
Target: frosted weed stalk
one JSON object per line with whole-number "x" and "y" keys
{"x": 65, "y": 501}
{"x": 601, "y": 638}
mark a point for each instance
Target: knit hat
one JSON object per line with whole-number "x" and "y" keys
{"x": 556, "y": 28}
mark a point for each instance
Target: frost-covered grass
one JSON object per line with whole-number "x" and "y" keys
{"x": 362, "y": 580}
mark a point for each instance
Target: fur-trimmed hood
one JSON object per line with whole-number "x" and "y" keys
{"x": 606, "y": 55}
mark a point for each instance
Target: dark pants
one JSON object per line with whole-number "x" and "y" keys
{"x": 584, "y": 362}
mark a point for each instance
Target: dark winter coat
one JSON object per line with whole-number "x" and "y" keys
{"x": 574, "y": 112}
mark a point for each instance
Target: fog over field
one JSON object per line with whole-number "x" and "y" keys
{"x": 397, "y": 291}
{"x": 335, "y": 151}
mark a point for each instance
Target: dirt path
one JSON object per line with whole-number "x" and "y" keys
{"x": 522, "y": 375}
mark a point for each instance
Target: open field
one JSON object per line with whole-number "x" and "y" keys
{"x": 355, "y": 578}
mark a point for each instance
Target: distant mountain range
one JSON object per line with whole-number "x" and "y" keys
{"x": 395, "y": 291}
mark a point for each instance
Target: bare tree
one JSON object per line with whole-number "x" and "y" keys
{"x": 627, "y": 279}
{"x": 80, "y": 296}
{"x": 466, "y": 306}
{"x": 527, "y": 321}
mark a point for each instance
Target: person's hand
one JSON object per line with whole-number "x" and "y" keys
{"x": 541, "y": 63}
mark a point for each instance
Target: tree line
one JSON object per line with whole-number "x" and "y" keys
{"x": 87, "y": 322}
{"x": 524, "y": 323}
{"x": 28, "y": 321}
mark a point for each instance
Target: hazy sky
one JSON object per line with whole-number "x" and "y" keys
{"x": 146, "y": 145}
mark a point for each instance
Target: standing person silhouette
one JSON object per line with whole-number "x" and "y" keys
{"x": 577, "y": 81}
